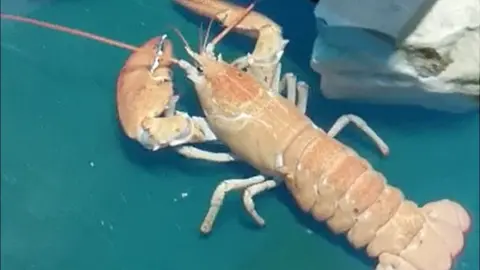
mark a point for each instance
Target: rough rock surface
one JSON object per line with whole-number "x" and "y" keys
{"x": 400, "y": 52}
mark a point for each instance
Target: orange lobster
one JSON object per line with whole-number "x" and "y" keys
{"x": 327, "y": 179}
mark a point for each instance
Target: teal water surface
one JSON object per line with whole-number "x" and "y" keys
{"x": 76, "y": 194}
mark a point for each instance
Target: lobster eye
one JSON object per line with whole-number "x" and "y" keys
{"x": 199, "y": 69}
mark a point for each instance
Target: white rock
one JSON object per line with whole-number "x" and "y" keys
{"x": 436, "y": 63}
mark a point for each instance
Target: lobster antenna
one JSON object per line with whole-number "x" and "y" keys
{"x": 225, "y": 31}
{"x": 68, "y": 30}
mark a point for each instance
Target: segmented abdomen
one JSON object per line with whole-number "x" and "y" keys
{"x": 336, "y": 185}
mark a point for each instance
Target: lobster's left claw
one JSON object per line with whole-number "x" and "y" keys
{"x": 165, "y": 132}
{"x": 172, "y": 131}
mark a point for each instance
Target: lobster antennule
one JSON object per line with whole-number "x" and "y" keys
{"x": 205, "y": 40}
{"x": 184, "y": 40}
{"x": 227, "y": 30}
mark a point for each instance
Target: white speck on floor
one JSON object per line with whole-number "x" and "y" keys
{"x": 183, "y": 195}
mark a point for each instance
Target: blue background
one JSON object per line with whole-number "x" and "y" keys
{"x": 126, "y": 212}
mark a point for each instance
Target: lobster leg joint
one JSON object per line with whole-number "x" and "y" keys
{"x": 302, "y": 90}
{"x": 288, "y": 83}
{"x": 171, "y": 106}
{"x": 248, "y": 195}
{"x": 195, "y": 153}
{"x": 219, "y": 195}
{"x": 268, "y": 60}
{"x": 203, "y": 125}
{"x": 344, "y": 120}
{"x": 276, "y": 80}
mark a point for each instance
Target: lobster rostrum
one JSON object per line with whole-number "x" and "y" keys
{"x": 328, "y": 179}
